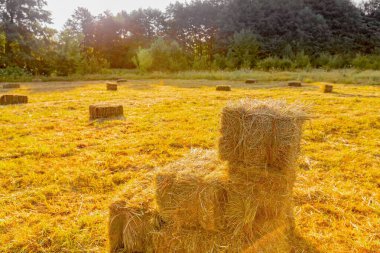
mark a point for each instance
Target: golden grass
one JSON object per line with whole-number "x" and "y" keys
{"x": 59, "y": 172}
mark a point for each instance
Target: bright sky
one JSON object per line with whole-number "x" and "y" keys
{"x": 63, "y": 9}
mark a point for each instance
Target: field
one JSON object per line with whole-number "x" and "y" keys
{"x": 59, "y": 171}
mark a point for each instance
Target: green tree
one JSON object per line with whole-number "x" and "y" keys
{"x": 243, "y": 50}
{"x": 24, "y": 24}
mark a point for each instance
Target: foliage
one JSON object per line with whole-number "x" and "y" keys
{"x": 243, "y": 50}
{"x": 12, "y": 73}
{"x": 207, "y": 34}
{"x": 167, "y": 56}
{"x": 367, "y": 62}
{"x": 143, "y": 60}
{"x": 275, "y": 63}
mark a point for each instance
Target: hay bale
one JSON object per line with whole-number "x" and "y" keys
{"x": 104, "y": 111}
{"x": 112, "y": 86}
{"x": 259, "y": 202}
{"x": 13, "y": 99}
{"x": 223, "y": 88}
{"x": 11, "y": 86}
{"x": 190, "y": 193}
{"x": 251, "y": 81}
{"x": 121, "y": 80}
{"x": 295, "y": 84}
{"x": 190, "y": 241}
{"x": 254, "y": 205}
{"x": 133, "y": 218}
{"x": 327, "y": 88}
{"x": 261, "y": 134}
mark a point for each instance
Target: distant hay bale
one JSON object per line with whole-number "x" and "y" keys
{"x": 264, "y": 134}
{"x": 190, "y": 193}
{"x": 251, "y": 81}
{"x": 223, "y": 88}
{"x": 121, "y": 80}
{"x": 295, "y": 84}
{"x": 13, "y": 99}
{"x": 112, "y": 86}
{"x": 103, "y": 111}
{"x": 11, "y": 86}
{"x": 133, "y": 218}
{"x": 327, "y": 88}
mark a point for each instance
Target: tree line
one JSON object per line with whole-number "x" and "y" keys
{"x": 201, "y": 35}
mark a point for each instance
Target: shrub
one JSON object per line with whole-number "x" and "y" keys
{"x": 219, "y": 62}
{"x": 366, "y": 62}
{"x": 12, "y": 73}
{"x": 167, "y": 56}
{"x": 301, "y": 61}
{"x": 328, "y": 61}
{"x": 143, "y": 60}
{"x": 243, "y": 50}
{"x": 201, "y": 62}
{"x": 275, "y": 63}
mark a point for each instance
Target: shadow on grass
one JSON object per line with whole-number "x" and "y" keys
{"x": 354, "y": 95}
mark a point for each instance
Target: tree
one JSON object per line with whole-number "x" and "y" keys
{"x": 24, "y": 24}
{"x": 243, "y": 50}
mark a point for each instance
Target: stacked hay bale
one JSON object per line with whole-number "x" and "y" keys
{"x": 104, "y": 111}
{"x": 239, "y": 200}
{"x": 260, "y": 141}
{"x": 13, "y": 99}
{"x": 191, "y": 198}
{"x": 133, "y": 218}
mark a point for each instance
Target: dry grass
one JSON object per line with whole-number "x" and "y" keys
{"x": 59, "y": 173}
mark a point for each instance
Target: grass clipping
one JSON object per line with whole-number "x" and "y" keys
{"x": 201, "y": 203}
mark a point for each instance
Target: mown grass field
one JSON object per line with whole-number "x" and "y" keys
{"x": 59, "y": 172}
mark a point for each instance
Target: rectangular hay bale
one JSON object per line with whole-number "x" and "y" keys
{"x": 327, "y": 88}
{"x": 223, "y": 88}
{"x": 190, "y": 193}
{"x": 112, "y": 86}
{"x": 104, "y": 111}
{"x": 11, "y": 86}
{"x": 251, "y": 81}
{"x": 259, "y": 202}
{"x": 295, "y": 84}
{"x": 13, "y": 99}
{"x": 265, "y": 134}
{"x": 133, "y": 218}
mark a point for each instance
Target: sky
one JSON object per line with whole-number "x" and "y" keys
{"x": 62, "y": 9}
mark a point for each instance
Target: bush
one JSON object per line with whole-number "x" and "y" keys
{"x": 13, "y": 73}
{"x": 219, "y": 62}
{"x": 201, "y": 63}
{"x": 366, "y": 62}
{"x": 301, "y": 61}
{"x": 143, "y": 60}
{"x": 275, "y": 63}
{"x": 243, "y": 50}
{"x": 91, "y": 63}
{"x": 167, "y": 56}
{"x": 328, "y": 61}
